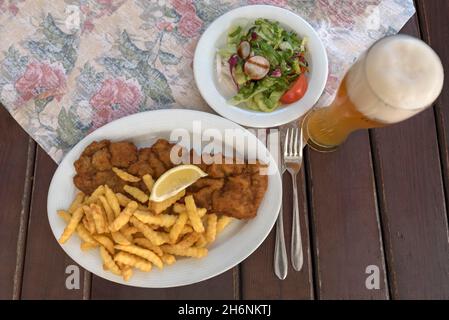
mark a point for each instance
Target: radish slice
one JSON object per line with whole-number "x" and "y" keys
{"x": 244, "y": 49}
{"x": 256, "y": 67}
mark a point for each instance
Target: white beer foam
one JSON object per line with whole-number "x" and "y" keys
{"x": 397, "y": 78}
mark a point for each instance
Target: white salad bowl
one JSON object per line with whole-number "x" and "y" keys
{"x": 214, "y": 38}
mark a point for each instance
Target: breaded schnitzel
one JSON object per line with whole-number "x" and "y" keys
{"x": 230, "y": 189}
{"x": 94, "y": 167}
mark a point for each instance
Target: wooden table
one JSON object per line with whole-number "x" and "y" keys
{"x": 379, "y": 200}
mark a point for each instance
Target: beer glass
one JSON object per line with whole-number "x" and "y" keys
{"x": 398, "y": 77}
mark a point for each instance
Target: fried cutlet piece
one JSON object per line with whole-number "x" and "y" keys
{"x": 161, "y": 149}
{"x": 84, "y": 165}
{"x": 94, "y": 167}
{"x": 149, "y": 163}
{"x": 157, "y": 165}
{"x": 142, "y": 166}
{"x": 235, "y": 199}
{"x": 225, "y": 169}
{"x": 259, "y": 183}
{"x": 95, "y": 146}
{"x": 84, "y": 182}
{"x": 101, "y": 160}
{"x": 109, "y": 178}
{"x": 203, "y": 189}
{"x": 241, "y": 195}
{"x": 234, "y": 190}
{"x": 123, "y": 154}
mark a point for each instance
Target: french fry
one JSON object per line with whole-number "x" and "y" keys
{"x": 201, "y": 212}
{"x": 122, "y": 199}
{"x": 179, "y": 207}
{"x": 133, "y": 261}
{"x": 99, "y": 219}
{"x": 163, "y": 220}
{"x": 119, "y": 238}
{"x": 98, "y": 192}
{"x": 168, "y": 259}
{"x": 127, "y": 272}
{"x": 211, "y": 230}
{"x": 147, "y": 244}
{"x": 185, "y": 230}
{"x": 178, "y": 226}
{"x": 86, "y": 224}
{"x": 149, "y": 181}
{"x": 143, "y": 208}
{"x": 164, "y": 236}
{"x": 124, "y": 216}
{"x": 125, "y": 175}
{"x": 94, "y": 196}
{"x": 76, "y": 203}
{"x": 185, "y": 252}
{"x": 85, "y": 246}
{"x": 202, "y": 242}
{"x": 109, "y": 262}
{"x": 105, "y": 242}
{"x": 71, "y": 226}
{"x": 129, "y": 231}
{"x": 194, "y": 218}
{"x": 143, "y": 253}
{"x": 85, "y": 235}
{"x": 158, "y": 207}
{"x": 136, "y": 193}
{"x": 64, "y": 215}
{"x": 107, "y": 208}
{"x": 155, "y": 237}
{"x": 222, "y": 222}
{"x": 90, "y": 224}
{"x": 112, "y": 200}
{"x": 188, "y": 240}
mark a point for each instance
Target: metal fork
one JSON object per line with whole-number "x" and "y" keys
{"x": 293, "y": 161}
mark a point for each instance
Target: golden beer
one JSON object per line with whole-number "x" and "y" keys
{"x": 398, "y": 77}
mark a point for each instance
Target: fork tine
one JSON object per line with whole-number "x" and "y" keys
{"x": 301, "y": 142}
{"x": 295, "y": 146}
{"x": 290, "y": 147}
{"x": 286, "y": 143}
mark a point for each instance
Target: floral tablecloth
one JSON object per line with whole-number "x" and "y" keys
{"x": 70, "y": 66}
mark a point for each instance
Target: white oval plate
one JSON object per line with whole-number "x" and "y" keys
{"x": 236, "y": 243}
{"x": 204, "y": 66}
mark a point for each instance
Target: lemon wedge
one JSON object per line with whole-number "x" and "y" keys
{"x": 175, "y": 180}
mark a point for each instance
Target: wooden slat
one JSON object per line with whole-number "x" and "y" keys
{"x": 412, "y": 203}
{"x": 45, "y": 262}
{"x": 258, "y": 278}
{"x": 345, "y": 221}
{"x": 435, "y": 31}
{"x": 224, "y": 286}
{"x": 15, "y": 181}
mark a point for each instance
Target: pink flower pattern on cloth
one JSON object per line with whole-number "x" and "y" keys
{"x": 41, "y": 80}
{"x": 114, "y": 100}
{"x": 71, "y": 66}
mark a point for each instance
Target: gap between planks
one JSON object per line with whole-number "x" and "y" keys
{"x": 23, "y": 221}
{"x": 381, "y": 220}
{"x": 314, "y": 272}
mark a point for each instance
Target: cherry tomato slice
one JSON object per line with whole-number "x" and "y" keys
{"x": 296, "y": 91}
